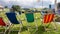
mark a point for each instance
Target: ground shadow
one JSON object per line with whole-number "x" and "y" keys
{"x": 41, "y": 30}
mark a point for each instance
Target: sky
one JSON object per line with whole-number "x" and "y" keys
{"x": 28, "y": 3}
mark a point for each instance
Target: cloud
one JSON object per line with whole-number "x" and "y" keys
{"x": 27, "y": 3}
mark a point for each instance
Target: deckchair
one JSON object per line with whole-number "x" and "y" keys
{"x": 58, "y": 12}
{"x": 57, "y": 19}
{"x": 30, "y": 19}
{"x": 48, "y": 18}
{"x": 3, "y": 24}
{"x": 13, "y": 20}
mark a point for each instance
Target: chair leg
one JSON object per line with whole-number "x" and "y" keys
{"x": 44, "y": 25}
{"x": 5, "y": 31}
{"x": 36, "y": 24}
{"x": 55, "y": 26}
{"x": 10, "y": 28}
{"x": 28, "y": 27}
{"x": 20, "y": 30}
{"x": 21, "y": 25}
{"x": 9, "y": 31}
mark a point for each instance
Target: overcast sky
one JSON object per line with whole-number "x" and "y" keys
{"x": 28, "y": 3}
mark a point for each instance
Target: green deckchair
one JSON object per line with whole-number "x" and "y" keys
{"x": 30, "y": 19}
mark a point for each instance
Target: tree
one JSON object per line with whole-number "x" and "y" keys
{"x": 6, "y": 6}
{"x": 45, "y": 8}
{"x": 16, "y": 8}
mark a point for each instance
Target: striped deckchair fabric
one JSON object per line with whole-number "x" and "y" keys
{"x": 2, "y": 23}
{"x": 48, "y": 18}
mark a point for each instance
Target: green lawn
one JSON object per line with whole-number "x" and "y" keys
{"x": 31, "y": 30}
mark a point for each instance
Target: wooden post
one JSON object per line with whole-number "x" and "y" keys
{"x": 55, "y": 5}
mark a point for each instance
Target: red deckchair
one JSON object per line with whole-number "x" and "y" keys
{"x": 48, "y": 18}
{"x": 2, "y": 23}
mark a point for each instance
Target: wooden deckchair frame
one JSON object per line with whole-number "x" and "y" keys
{"x": 34, "y": 20}
{"x": 50, "y": 23}
{"x": 12, "y": 25}
{"x": 6, "y": 27}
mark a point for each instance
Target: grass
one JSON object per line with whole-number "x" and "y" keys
{"x": 32, "y": 31}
